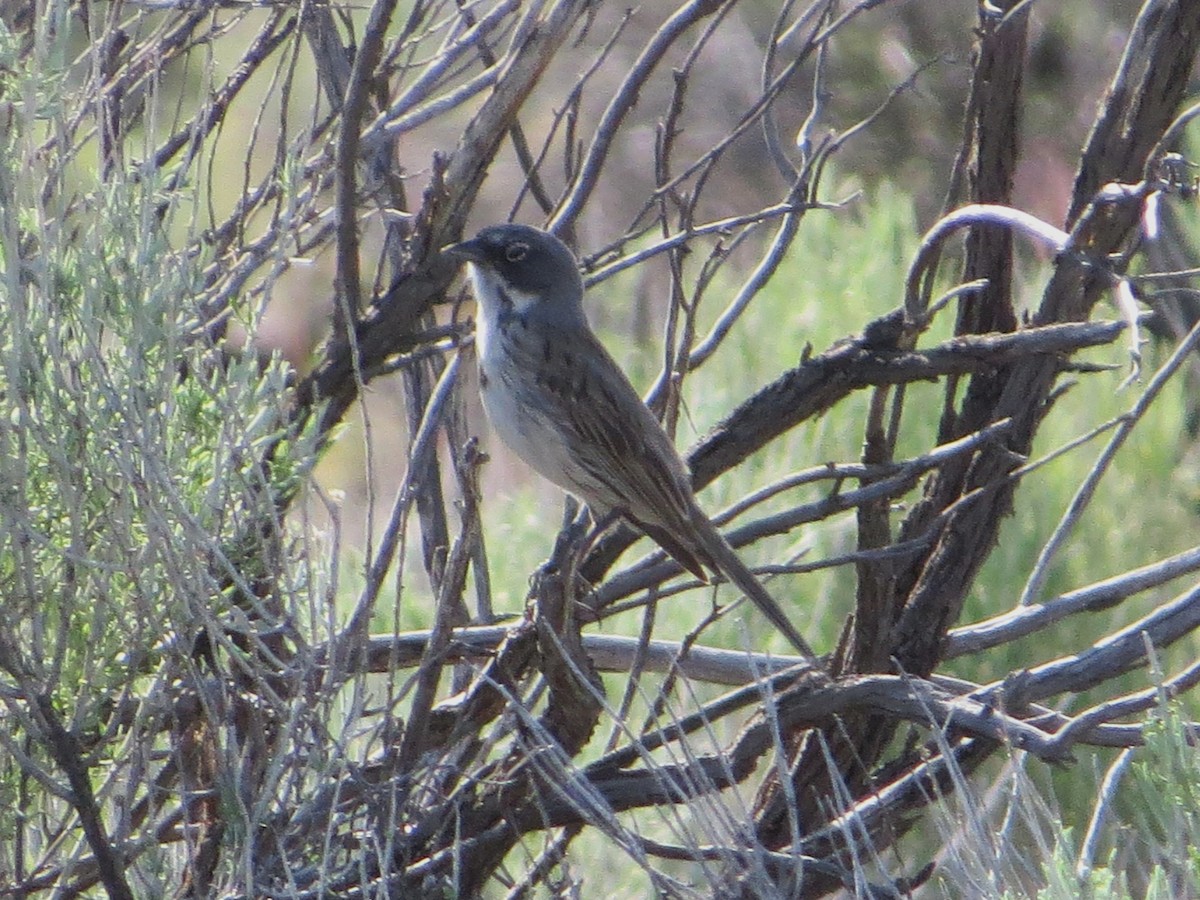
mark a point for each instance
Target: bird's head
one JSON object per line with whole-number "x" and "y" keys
{"x": 522, "y": 266}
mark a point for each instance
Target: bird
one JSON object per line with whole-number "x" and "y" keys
{"x": 558, "y": 399}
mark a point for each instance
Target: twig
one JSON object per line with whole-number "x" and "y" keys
{"x": 64, "y": 748}
{"x": 619, "y": 106}
{"x": 349, "y": 139}
{"x": 342, "y": 646}
{"x": 1083, "y": 496}
{"x": 1114, "y": 655}
{"x": 1023, "y": 621}
{"x": 1104, "y": 801}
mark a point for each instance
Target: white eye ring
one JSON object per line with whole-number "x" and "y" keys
{"x": 516, "y": 251}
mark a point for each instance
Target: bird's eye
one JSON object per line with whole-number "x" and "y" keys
{"x": 515, "y": 252}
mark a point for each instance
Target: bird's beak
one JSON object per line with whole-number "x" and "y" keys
{"x": 471, "y": 251}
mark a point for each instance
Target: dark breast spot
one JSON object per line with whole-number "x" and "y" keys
{"x": 506, "y": 304}
{"x": 508, "y": 316}
{"x": 483, "y": 379}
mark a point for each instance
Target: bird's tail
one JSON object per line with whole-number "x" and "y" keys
{"x": 717, "y": 552}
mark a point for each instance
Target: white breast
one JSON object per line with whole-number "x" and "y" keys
{"x": 511, "y": 397}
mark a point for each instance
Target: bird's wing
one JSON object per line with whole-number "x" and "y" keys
{"x": 594, "y": 436}
{"x": 623, "y": 460}
{"x": 624, "y": 437}
{"x": 624, "y": 444}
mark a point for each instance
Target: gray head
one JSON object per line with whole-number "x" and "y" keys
{"x": 527, "y": 263}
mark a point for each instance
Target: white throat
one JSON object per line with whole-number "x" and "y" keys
{"x": 495, "y": 303}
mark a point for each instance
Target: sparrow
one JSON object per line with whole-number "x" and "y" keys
{"x": 557, "y": 398}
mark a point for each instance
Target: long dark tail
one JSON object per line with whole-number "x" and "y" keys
{"x": 719, "y": 555}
